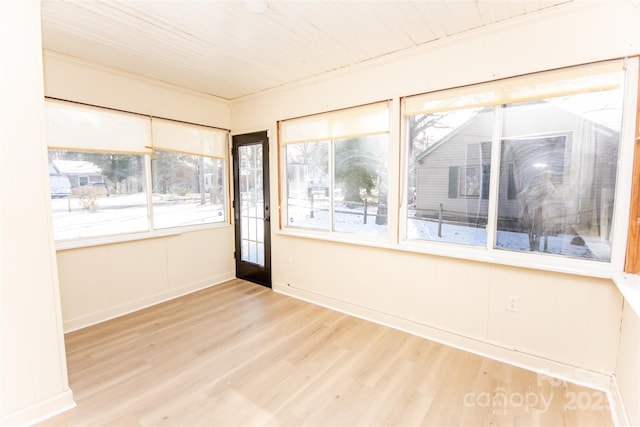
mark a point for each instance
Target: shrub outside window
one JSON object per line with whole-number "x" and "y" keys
{"x": 336, "y": 171}
{"x": 525, "y": 165}
{"x": 360, "y": 185}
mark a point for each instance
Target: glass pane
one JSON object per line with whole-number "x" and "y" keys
{"x": 448, "y": 182}
{"x": 360, "y": 192}
{"x": 558, "y": 175}
{"x": 251, "y": 204}
{"x": 97, "y": 194}
{"x": 308, "y": 185}
{"x": 187, "y": 189}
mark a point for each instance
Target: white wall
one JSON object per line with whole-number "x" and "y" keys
{"x": 105, "y": 281}
{"x": 628, "y": 367}
{"x": 32, "y": 356}
{"x": 76, "y": 80}
{"x": 101, "y": 282}
{"x": 569, "y": 319}
{"x": 564, "y": 321}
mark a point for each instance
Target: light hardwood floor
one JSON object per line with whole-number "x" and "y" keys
{"x": 238, "y": 354}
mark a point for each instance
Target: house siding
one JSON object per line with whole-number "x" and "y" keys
{"x": 582, "y": 168}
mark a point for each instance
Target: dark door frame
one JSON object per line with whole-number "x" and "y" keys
{"x": 247, "y": 270}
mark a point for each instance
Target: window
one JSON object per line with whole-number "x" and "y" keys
{"x": 360, "y": 184}
{"x": 100, "y": 180}
{"x": 335, "y": 178}
{"x": 308, "y": 185}
{"x": 525, "y": 165}
{"x": 559, "y": 196}
{"x": 106, "y": 194}
{"x": 448, "y": 175}
{"x": 187, "y": 189}
{"x": 188, "y": 174}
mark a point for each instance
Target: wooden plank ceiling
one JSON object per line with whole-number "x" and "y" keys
{"x": 223, "y": 48}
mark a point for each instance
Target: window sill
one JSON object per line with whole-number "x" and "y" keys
{"x": 131, "y": 237}
{"x": 535, "y": 261}
{"x": 629, "y": 287}
{"x": 604, "y": 270}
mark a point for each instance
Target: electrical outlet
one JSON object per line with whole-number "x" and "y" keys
{"x": 512, "y": 303}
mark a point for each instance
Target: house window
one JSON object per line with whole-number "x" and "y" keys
{"x": 470, "y": 181}
{"x": 550, "y": 185}
{"x": 544, "y": 155}
{"x": 335, "y": 179}
{"x": 559, "y": 195}
{"x": 100, "y": 180}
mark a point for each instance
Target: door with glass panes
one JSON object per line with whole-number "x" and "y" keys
{"x": 252, "y": 213}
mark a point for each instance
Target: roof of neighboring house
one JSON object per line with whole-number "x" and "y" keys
{"x": 451, "y": 135}
{"x": 77, "y": 167}
{"x": 53, "y": 170}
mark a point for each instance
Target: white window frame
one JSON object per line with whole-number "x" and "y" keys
{"x": 152, "y": 218}
{"x": 170, "y": 135}
{"x": 320, "y": 128}
{"x": 526, "y": 259}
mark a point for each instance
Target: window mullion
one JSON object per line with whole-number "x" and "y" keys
{"x": 494, "y": 177}
{"x": 396, "y": 194}
{"x": 149, "y": 188}
{"x": 331, "y": 165}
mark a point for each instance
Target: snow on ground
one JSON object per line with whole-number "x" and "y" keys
{"x": 346, "y": 220}
{"x": 428, "y": 230}
{"x": 128, "y": 213}
{"x": 121, "y": 214}
{"x": 594, "y": 248}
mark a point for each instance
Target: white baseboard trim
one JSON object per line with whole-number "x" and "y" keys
{"x": 40, "y": 411}
{"x": 71, "y": 325}
{"x": 602, "y": 381}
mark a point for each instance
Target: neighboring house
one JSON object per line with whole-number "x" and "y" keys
{"x": 546, "y": 152}
{"x": 79, "y": 172}
{"x": 58, "y": 183}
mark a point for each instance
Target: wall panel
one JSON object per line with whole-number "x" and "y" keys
{"x": 74, "y": 80}
{"x": 101, "y": 282}
{"x": 33, "y": 370}
{"x": 628, "y": 367}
